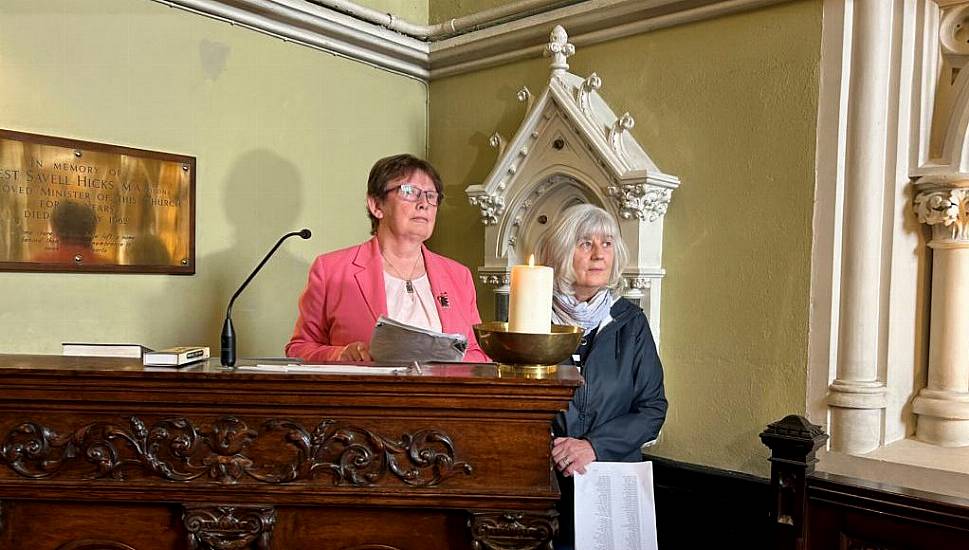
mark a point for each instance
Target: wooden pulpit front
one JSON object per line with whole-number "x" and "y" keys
{"x": 102, "y": 454}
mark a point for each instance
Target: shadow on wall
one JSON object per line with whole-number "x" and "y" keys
{"x": 263, "y": 200}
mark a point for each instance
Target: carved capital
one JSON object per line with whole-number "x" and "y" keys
{"x": 513, "y": 530}
{"x": 492, "y": 206}
{"x": 559, "y": 49}
{"x": 495, "y": 279}
{"x": 219, "y": 527}
{"x": 638, "y": 282}
{"x": 947, "y": 212}
{"x": 641, "y": 200}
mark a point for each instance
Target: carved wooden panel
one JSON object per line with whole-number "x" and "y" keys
{"x": 513, "y": 530}
{"x": 96, "y": 525}
{"x": 850, "y": 542}
{"x": 91, "y": 544}
{"x": 220, "y": 527}
{"x": 96, "y": 449}
{"x": 180, "y": 449}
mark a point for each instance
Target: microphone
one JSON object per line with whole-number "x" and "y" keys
{"x": 229, "y": 333}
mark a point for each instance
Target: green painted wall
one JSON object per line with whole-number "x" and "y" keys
{"x": 284, "y": 136}
{"x": 413, "y": 11}
{"x": 729, "y": 106}
{"x": 444, "y": 10}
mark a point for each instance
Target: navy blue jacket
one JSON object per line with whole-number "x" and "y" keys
{"x": 622, "y": 404}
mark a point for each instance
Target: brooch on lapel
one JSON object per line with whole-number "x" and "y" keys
{"x": 443, "y": 299}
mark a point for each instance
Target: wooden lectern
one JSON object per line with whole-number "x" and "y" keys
{"x": 102, "y": 454}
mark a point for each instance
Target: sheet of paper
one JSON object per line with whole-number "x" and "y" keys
{"x": 614, "y": 507}
{"x": 323, "y": 369}
{"x": 400, "y": 342}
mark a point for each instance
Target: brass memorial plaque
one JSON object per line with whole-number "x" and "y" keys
{"x": 68, "y": 205}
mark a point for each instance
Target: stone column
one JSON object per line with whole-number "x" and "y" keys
{"x": 942, "y": 408}
{"x": 856, "y": 398}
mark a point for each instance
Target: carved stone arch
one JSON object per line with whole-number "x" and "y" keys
{"x": 548, "y": 194}
{"x": 947, "y": 103}
{"x": 955, "y": 149}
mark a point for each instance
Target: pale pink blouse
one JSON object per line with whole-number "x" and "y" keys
{"x": 414, "y": 308}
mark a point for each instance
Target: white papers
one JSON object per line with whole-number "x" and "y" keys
{"x": 614, "y": 507}
{"x": 393, "y": 341}
{"x": 323, "y": 369}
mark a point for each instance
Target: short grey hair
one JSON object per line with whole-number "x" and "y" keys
{"x": 557, "y": 247}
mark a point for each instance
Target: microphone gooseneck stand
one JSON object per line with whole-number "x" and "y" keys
{"x": 228, "y": 354}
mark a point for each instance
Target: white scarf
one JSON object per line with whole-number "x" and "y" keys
{"x": 566, "y": 310}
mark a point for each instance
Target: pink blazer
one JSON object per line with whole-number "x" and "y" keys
{"x": 345, "y": 295}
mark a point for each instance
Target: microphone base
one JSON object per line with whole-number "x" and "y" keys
{"x": 228, "y": 353}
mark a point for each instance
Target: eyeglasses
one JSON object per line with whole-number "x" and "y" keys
{"x": 412, "y": 193}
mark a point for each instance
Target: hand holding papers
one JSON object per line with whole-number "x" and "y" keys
{"x": 614, "y": 507}
{"x": 396, "y": 342}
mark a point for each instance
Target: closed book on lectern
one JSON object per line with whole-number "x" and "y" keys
{"x": 87, "y": 349}
{"x": 177, "y": 356}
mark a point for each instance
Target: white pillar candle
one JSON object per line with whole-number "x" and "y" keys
{"x": 530, "y": 301}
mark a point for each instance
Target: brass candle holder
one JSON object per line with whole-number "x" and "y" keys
{"x": 524, "y": 354}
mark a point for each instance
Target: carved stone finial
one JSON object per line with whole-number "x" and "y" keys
{"x": 583, "y": 95}
{"x": 622, "y": 124}
{"x": 498, "y": 142}
{"x": 559, "y": 49}
{"x": 525, "y": 96}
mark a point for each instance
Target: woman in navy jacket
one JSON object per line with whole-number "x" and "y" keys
{"x": 622, "y": 404}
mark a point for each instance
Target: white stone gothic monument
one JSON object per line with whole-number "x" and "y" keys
{"x": 571, "y": 149}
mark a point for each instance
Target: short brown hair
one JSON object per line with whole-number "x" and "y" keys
{"x": 390, "y": 168}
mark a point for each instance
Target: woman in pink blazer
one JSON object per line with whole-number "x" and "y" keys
{"x": 392, "y": 274}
